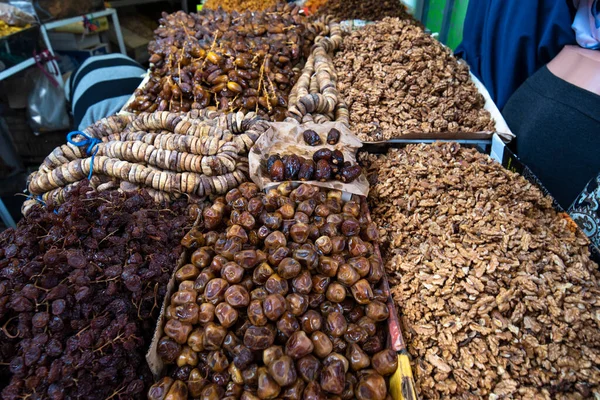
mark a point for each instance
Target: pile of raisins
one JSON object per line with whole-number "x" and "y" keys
{"x": 81, "y": 287}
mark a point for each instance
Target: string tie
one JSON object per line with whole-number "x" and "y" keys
{"x": 90, "y": 142}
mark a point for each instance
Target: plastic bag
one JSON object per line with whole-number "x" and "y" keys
{"x": 46, "y": 105}
{"x": 18, "y": 13}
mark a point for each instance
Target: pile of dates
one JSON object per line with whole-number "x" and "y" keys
{"x": 226, "y": 61}
{"x": 324, "y": 166}
{"x": 281, "y": 299}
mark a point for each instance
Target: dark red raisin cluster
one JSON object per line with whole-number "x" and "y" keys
{"x": 80, "y": 294}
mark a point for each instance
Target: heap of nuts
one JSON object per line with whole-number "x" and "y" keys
{"x": 281, "y": 299}
{"x": 397, "y": 79}
{"x": 324, "y": 166}
{"x": 240, "y": 5}
{"x": 499, "y": 295}
{"x": 369, "y": 10}
{"x": 226, "y": 61}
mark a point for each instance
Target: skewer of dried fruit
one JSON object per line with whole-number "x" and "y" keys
{"x": 203, "y": 158}
{"x": 315, "y": 96}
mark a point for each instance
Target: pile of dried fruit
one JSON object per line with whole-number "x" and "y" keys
{"x": 196, "y": 154}
{"x": 324, "y": 166}
{"x": 226, "y": 61}
{"x": 398, "y": 79}
{"x": 369, "y": 10}
{"x": 315, "y": 97}
{"x": 280, "y": 300}
{"x": 499, "y": 295}
{"x": 241, "y": 5}
{"x": 80, "y": 294}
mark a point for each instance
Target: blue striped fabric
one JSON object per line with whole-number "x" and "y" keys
{"x": 101, "y": 86}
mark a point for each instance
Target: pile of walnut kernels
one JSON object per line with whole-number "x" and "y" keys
{"x": 500, "y": 298}
{"x": 397, "y": 79}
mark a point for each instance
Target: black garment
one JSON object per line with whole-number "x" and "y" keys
{"x": 507, "y": 41}
{"x": 557, "y": 125}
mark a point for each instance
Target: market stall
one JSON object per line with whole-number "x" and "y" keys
{"x": 254, "y": 225}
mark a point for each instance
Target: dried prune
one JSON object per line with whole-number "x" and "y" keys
{"x": 350, "y": 174}
{"x": 307, "y": 170}
{"x": 277, "y": 171}
{"x": 311, "y": 137}
{"x": 337, "y": 158}
{"x": 322, "y": 154}
{"x": 333, "y": 137}
{"x": 322, "y": 171}
{"x": 292, "y": 166}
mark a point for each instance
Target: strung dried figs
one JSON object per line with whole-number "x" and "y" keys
{"x": 311, "y": 137}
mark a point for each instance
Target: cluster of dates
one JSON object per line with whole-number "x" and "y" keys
{"x": 226, "y": 61}
{"x": 281, "y": 299}
{"x": 324, "y": 166}
{"x": 79, "y": 290}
